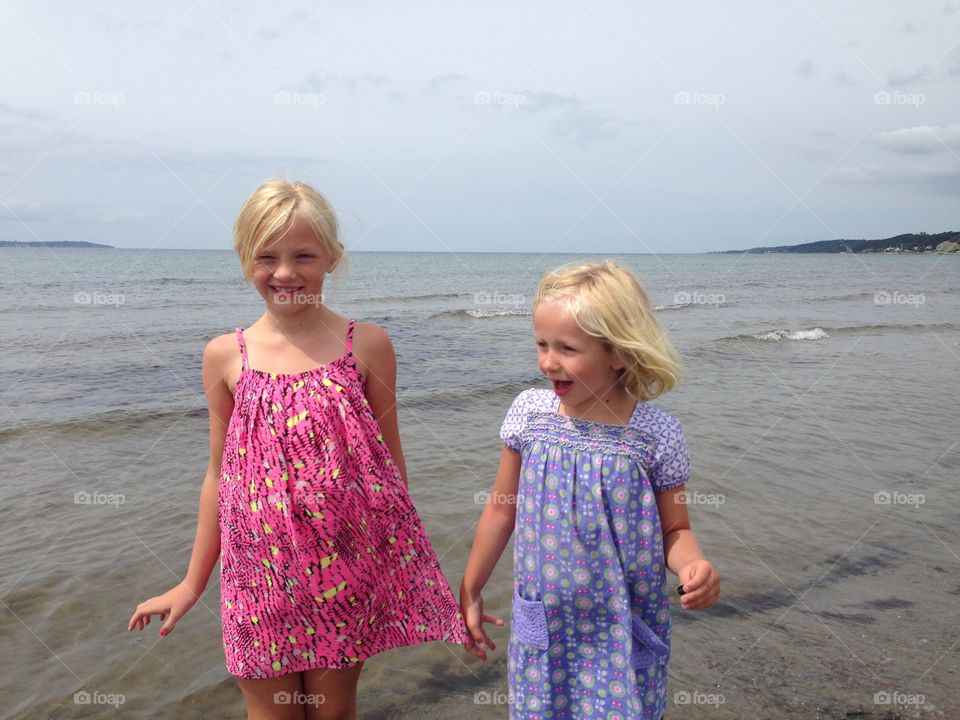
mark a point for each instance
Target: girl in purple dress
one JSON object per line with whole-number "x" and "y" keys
{"x": 592, "y": 478}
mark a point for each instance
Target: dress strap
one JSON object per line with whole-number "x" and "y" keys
{"x": 243, "y": 348}
{"x": 348, "y": 350}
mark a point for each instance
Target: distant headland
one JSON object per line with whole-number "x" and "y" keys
{"x": 53, "y": 243}
{"x": 945, "y": 242}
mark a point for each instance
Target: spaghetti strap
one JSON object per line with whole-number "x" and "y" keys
{"x": 348, "y": 350}
{"x": 243, "y": 348}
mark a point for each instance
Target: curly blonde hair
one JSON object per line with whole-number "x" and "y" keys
{"x": 609, "y": 303}
{"x": 268, "y": 212}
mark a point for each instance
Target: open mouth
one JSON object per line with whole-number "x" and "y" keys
{"x": 561, "y": 387}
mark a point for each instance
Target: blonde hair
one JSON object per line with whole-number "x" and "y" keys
{"x": 268, "y": 212}
{"x": 609, "y": 303}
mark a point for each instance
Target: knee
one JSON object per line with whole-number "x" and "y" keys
{"x": 333, "y": 709}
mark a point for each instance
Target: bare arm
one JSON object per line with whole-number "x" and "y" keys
{"x": 493, "y": 533}
{"x": 681, "y": 551}
{"x": 173, "y": 604}
{"x": 378, "y": 363}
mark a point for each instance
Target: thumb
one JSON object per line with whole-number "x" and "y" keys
{"x": 169, "y": 624}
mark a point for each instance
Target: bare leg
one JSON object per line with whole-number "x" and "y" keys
{"x": 334, "y": 693}
{"x": 278, "y": 698}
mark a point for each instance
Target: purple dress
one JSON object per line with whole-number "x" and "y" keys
{"x": 590, "y": 627}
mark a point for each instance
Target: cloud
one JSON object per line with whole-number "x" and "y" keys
{"x": 573, "y": 119}
{"x": 22, "y": 113}
{"x": 20, "y": 210}
{"x": 920, "y": 140}
{"x": 440, "y": 83}
{"x": 918, "y": 156}
{"x": 844, "y": 80}
{"x": 806, "y": 69}
{"x": 898, "y": 80}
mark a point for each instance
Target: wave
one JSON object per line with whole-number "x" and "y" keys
{"x": 413, "y": 298}
{"x": 481, "y": 314}
{"x": 822, "y": 333}
{"x": 778, "y": 335}
{"x": 718, "y": 301}
{"x": 118, "y": 421}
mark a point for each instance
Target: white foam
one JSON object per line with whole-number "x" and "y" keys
{"x": 816, "y": 333}
{"x": 500, "y": 312}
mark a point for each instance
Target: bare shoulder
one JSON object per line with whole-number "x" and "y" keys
{"x": 372, "y": 347}
{"x": 221, "y": 360}
{"x": 221, "y": 348}
{"x": 370, "y": 336}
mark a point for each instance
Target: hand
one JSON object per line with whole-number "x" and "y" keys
{"x": 474, "y": 617}
{"x": 701, "y": 584}
{"x": 172, "y": 606}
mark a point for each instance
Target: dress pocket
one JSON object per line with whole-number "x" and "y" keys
{"x": 529, "y": 622}
{"x": 648, "y": 648}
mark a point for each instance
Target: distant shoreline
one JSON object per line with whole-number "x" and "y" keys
{"x": 54, "y": 243}
{"x": 908, "y": 243}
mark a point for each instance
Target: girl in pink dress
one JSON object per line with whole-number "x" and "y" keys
{"x": 324, "y": 560}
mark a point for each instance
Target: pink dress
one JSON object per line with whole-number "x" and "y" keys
{"x": 324, "y": 560}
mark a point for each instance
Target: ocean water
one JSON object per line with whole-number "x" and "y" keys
{"x": 819, "y": 402}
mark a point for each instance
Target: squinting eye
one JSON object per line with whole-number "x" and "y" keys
{"x": 305, "y": 255}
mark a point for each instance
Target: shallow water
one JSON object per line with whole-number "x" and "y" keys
{"x": 806, "y": 395}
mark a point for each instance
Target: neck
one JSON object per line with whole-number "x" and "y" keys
{"x": 302, "y": 323}
{"x": 614, "y": 407}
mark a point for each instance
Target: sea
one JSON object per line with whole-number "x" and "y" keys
{"x": 821, "y": 405}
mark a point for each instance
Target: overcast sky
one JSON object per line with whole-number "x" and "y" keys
{"x": 591, "y": 126}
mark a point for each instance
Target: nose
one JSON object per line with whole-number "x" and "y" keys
{"x": 284, "y": 270}
{"x": 547, "y": 361}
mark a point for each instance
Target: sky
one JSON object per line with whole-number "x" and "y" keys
{"x": 536, "y": 126}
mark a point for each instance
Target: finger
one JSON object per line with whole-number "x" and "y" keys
{"x": 692, "y": 582}
{"x": 471, "y": 647}
{"x": 492, "y": 619}
{"x": 168, "y": 626}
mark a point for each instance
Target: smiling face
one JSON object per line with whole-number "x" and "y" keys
{"x": 585, "y": 374}
{"x": 289, "y": 272}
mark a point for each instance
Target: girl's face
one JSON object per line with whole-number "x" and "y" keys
{"x": 289, "y": 272}
{"x": 584, "y": 373}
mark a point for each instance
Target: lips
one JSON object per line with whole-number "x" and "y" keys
{"x": 561, "y": 387}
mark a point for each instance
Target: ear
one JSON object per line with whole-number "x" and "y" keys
{"x": 333, "y": 265}
{"x": 616, "y": 362}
